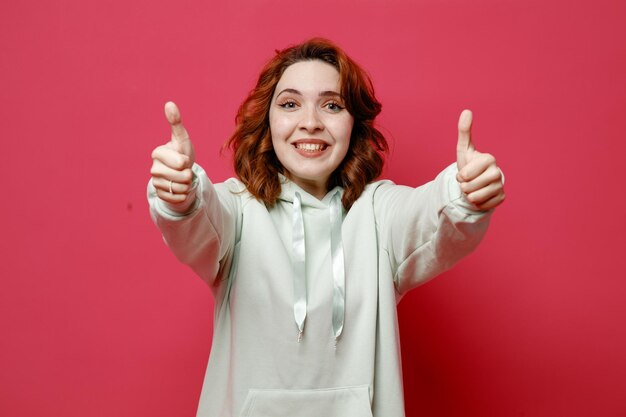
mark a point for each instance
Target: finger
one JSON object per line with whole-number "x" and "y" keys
{"x": 493, "y": 202}
{"x": 465, "y": 132}
{"x": 490, "y": 175}
{"x": 179, "y": 133}
{"x": 171, "y": 186}
{"x": 171, "y": 198}
{"x": 170, "y": 157}
{"x": 481, "y": 196}
{"x": 479, "y": 163}
{"x": 159, "y": 170}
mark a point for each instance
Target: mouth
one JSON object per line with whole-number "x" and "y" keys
{"x": 310, "y": 145}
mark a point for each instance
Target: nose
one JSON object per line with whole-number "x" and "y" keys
{"x": 311, "y": 121}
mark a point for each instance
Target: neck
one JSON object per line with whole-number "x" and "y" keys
{"x": 317, "y": 189}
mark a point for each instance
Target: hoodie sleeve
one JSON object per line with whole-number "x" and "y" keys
{"x": 204, "y": 236}
{"x": 426, "y": 230}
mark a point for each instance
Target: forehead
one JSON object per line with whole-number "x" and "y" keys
{"x": 309, "y": 76}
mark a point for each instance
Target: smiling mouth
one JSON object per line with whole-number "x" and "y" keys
{"x": 311, "y": 147}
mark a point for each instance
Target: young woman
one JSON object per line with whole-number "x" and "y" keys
{"x": 305, "y": 254}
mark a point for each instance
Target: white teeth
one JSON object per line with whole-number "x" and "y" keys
{"x": 310, "y": 147}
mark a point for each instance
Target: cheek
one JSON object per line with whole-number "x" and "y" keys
{"x": 280, "y": 127}
{"x": 344, "y": 130}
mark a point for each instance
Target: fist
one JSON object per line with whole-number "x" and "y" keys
{"x": 171, "y": 163}
{"x": 479, "y": 177}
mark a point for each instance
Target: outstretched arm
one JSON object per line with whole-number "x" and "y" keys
{"x": 197, "y": 219}
{"x": 428, "y": 229}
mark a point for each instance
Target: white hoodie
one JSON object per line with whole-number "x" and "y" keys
{"x": 307, "y": 337}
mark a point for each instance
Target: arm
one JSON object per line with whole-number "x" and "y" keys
{"x": 203, "y": 235}
{"x": 428, "y": 229}
{"x": 195, "y": 217}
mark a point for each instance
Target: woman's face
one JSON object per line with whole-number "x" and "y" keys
{"x": 309, "y": 124}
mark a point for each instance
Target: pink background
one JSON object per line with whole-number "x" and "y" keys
{"x": 98, "y": 319}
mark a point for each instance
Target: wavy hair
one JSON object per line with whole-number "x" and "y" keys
{"x": 256, "y": 163}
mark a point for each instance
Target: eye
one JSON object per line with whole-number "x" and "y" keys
{"x": 288, "y": 104}
{"x": 334, "y": 106}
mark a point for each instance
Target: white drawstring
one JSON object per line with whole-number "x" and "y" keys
{"x": 299, "y": 265}
{"x": 339, "y": 277}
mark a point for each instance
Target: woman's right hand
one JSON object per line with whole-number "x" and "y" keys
{"x": 171, "y": 164}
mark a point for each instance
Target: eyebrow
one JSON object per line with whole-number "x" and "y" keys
{"x": 328, "y": 93}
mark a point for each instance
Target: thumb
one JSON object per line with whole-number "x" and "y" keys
{"x": 179, "y": 133}
{"x": 464, "y": 146}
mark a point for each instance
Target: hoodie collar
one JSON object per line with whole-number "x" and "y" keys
{"x": 289, "y": 188}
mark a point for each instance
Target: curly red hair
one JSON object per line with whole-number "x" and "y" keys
{"x": 256, "y": 163}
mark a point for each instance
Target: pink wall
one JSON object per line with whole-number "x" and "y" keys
{"x": 98, "y": 319}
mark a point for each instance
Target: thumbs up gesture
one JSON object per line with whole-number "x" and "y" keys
{"x": 480, "y": 179}
{"x": 171, "y": 164}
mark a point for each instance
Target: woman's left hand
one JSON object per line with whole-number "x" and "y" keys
{"x": 480, "y": 179}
